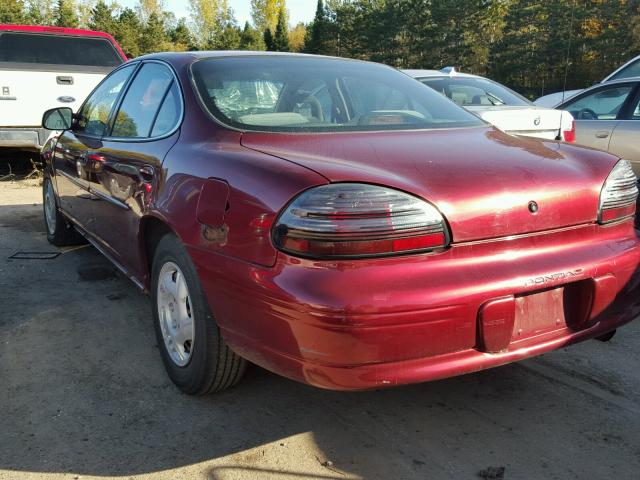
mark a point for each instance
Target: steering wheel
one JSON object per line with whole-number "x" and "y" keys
{"x": 587, "y": 114}
{"x": 315, "y": 105}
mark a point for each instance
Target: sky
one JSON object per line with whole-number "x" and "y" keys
{"x": 299, "y": 10}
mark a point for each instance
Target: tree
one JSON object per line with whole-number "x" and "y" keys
{"x": 316, "y": 35}
{"x": 102, "y": 18}
{"x": 210, "y": 18}
{"x": 264, "y": 13}
{"x": 281, "y": 37}
{"x": 65, "y": 15}
{"x": 297, "y": 36}
{"x": 39, "y": 12}
{"x": 268, "y": 39}
{"x": 129, "y": 32}
{"x": 181, "y": 36}
{"x": 12, "y": 11}
{"x": 250, "y": 39}
{"x": 154, "y": 36}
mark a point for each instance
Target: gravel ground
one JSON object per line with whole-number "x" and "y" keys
{"x": 83, "y": 394}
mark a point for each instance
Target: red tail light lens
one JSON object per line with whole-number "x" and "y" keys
{"x": 344, "y": 220}
{"x": 570, "y": 135}
{"x": 619, "y": 193}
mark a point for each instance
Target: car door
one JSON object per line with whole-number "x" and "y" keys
{"x": 73, "y": 146}
{"x": 596, "y": 113}
{"x": 625, "y": 139}
{"x": 128, "y": 166}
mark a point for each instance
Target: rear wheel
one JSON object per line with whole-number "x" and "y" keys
{"x": 193, "y": 351}
{"x": 59, "y": 231}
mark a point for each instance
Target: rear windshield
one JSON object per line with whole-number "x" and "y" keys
{"x": 469, "y": 91}
{"x": 280, "y": 93}
{"x": 27, "y": 48}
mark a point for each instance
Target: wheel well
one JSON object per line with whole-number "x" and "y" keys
{"x": 153, "y": 229}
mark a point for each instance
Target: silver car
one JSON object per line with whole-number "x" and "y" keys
{"x": 607, "y": 117}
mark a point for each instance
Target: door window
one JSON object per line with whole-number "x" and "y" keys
{"x": 141, "y": 103}
{"x": 636, "y": 110}
{"x": 631, "y": 70}
{"x": 94, "y": 115}
{"x": 603, "y": 104}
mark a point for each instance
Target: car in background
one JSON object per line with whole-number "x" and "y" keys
{"x": 45, "y": 67}
{"x": 628, "y": 70}
{"x": 336, "y": 222}
{"x": 497, "y": 104}
{"x": 607, "y": 117}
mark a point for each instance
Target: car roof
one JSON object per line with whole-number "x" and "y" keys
{"x": 437, "y": 73}
{"x": 633, "y": 60}
{"x": 63, "y": 31}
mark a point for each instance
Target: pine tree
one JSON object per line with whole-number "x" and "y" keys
{"x": 250, "y": 39}
{"x": 181, "y": 36}
{"x": 12, "y": 11}
{"x": 65, "y": 15}
{"x": 154, "y": 36}
{"x": 102, "y": 18}
{"x": 281, "y": 37}
{"x": 268, "y": 40}
{"x": 129, "y": 32}
{"x": 317, "y": 31}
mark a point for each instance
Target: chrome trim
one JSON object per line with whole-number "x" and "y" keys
{"x": 75, "y": 180}
{"x": 109, "y": 199}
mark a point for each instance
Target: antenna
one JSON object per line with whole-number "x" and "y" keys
{"x": 566, "y": 66}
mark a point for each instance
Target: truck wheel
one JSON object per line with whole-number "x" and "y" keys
{"x": 59, "y": 231}
{"x": 193, "y": 351}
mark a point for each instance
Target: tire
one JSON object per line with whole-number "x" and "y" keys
{"x": 195, "y": 355}
{"x": 59, "y": 231}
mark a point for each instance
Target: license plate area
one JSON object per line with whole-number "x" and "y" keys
{"x": 541, "y": 312}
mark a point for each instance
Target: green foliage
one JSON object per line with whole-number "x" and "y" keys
{"x": 281, "y": 37}
{"x": 12, "y": 11}
{"x": 268, "y": 40}
{"x": 251, "y": 39}
{"x": 65, "y": 14}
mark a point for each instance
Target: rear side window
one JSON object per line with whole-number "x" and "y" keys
{"x": 142, "y": 101}
{"x": 169, "y": 113}
{"x": 57, "y": 50}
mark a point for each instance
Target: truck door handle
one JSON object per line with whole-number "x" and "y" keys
{"x": 602, "y": 134}
{"x": 64, "y": 80}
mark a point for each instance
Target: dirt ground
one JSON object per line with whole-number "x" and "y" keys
{"x": 83, "y": 394}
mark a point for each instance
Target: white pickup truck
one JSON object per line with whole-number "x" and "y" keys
{"x": 47, "y": 67}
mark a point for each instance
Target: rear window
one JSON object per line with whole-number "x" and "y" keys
{"x": 313, "y": 94}
{"x": 471, "y": 91}
{"x": 27, "y": 48}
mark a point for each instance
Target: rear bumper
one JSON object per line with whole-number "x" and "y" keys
{"x": 376, "y": 323}
{"x": 32, "y": 138}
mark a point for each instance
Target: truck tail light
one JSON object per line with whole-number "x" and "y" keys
{"x": 570, "y": 135}
{"x": 346, "y": 220}
{"x": 619, "y": 193}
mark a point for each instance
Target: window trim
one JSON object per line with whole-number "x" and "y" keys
{"x": 622, "y": 113}
{"x": 136, "y": 66}
{"x": 176, "y": 127}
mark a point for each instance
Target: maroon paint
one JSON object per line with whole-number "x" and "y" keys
{"x": 354, "y": 324}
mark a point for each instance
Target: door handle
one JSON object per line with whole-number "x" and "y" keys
{"x": 602, "y": 134}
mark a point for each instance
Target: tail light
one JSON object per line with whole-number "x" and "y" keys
{"x": 570, "y": 135}
{"x": 619, "y": 193}
{"x": 346, "y": 220}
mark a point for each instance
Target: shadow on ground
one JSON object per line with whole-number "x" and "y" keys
{"x": 83, "y": 391}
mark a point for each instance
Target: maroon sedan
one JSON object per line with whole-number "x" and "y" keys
{"x": 337, "y": 222}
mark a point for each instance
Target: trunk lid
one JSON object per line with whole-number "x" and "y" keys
{"x": 521, "y": 120}
{"x": 481, "y": 179}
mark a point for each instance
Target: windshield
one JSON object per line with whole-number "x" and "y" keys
{"x": 470, "y": 91}
{"x": 294, "y": 93}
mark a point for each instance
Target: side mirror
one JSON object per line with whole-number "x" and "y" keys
{"x": 58, "y": 118}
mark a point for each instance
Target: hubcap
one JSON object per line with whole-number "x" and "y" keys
{"x": 175, "y": 314}
{"x": 50, "y": 208}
